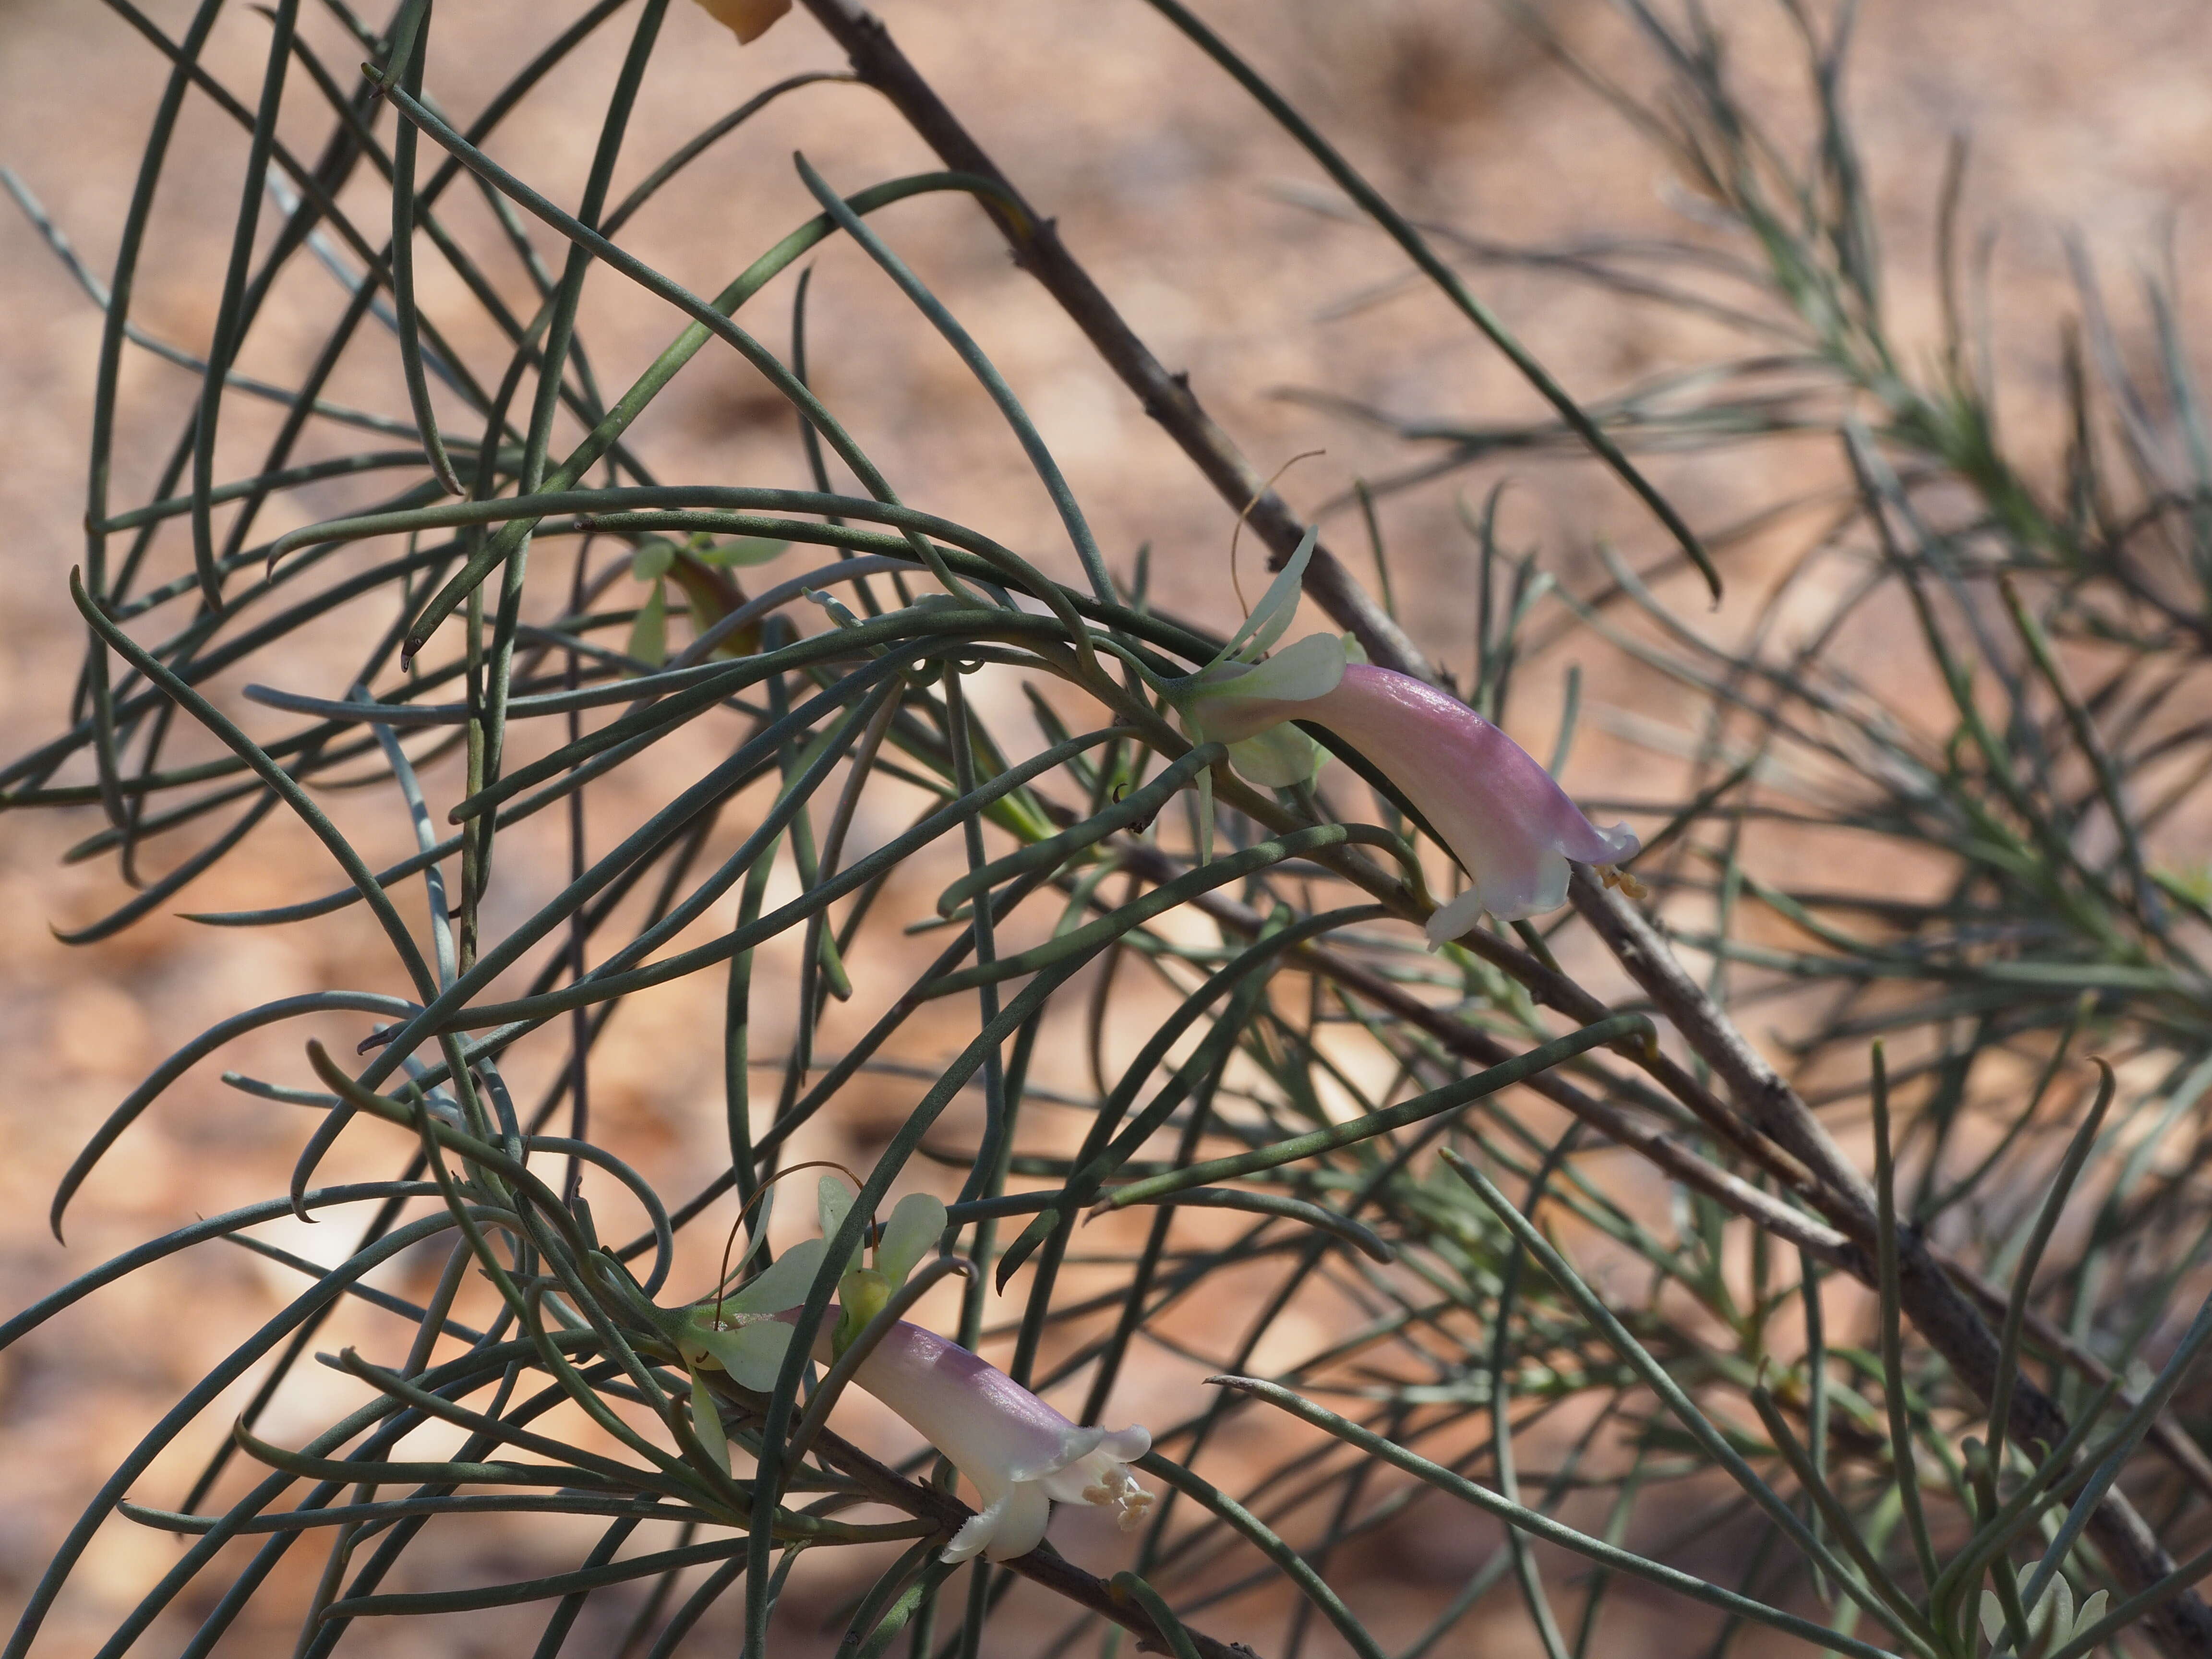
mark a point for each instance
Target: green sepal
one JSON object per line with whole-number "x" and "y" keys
{"x": 751, "y": 1351}
{"x": 745, "y": 550}
{"x": 915, "y": 1226}
{"x": 648, "y": 634}
{"x": 705, "y": 1421}
{"x": 861, "y": 1295}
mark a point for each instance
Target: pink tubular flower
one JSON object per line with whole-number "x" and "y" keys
{"x": 1014, "y": 1447}
{"x": 1512, "y": 829}
{"x": 1021, "y": 1454}
{"x": 1495, "y": 808}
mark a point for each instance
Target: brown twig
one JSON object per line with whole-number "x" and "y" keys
{"x": 1040, "y": 1566}
{"x": 1167, "y": 397}
{"x": 2166, "y": 1432}
{"x": 1473, "y": 1043}
{"x": 1758, "y": 1207}
{"x": 1939, "y": 1309}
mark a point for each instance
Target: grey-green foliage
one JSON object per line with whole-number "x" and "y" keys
{"x": 1665, "y": 1370}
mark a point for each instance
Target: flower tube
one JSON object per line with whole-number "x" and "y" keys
{"x": 1496, "y": 810}
{"x": 1021, "y": 1455}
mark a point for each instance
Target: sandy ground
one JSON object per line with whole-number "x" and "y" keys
{"x": 1181, "y": 198}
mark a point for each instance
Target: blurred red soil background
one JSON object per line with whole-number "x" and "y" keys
{"x": 1196, "y": 216}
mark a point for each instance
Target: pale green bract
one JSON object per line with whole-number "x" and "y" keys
{"x": 741, "y": 1332}
{"x": 745, "y": 550}
{"x": 2052, "y": 1622}
{"x": 1280, "y": 756}
{"x": 1271, "y": 618}
{"x": 833, "y": 1202}
{"x": 916, "y": 1224}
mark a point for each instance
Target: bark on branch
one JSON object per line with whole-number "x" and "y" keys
{"x": 1167, "y": 397}
{"x": 1938, "y": 1309}
{"x": 1944, "y": 1314}
{"x": 1040, "y": 1566}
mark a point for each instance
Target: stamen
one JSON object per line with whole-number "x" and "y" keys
{"x": 1117, "y": 1489}
{"x": 1614, "y": 876}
